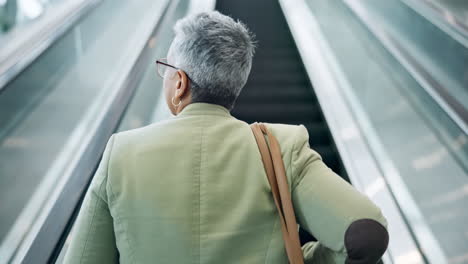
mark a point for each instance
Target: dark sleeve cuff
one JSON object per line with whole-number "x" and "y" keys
{"x": 366, "y": 241}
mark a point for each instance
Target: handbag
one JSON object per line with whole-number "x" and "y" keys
{"x": 276, "y": 173}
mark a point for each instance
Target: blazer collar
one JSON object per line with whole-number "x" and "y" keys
{"x": 204, "y": 109}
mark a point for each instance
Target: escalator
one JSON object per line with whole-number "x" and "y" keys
{"x": 278, "y": 89}
{"x": 388, "y": 134}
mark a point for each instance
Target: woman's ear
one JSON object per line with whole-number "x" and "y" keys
{"x": 182, "y": 83}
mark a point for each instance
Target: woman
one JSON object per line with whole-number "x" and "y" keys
{"x": 192, "y": 189}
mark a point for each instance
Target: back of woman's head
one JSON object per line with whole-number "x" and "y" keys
{"x": 216, "y": 52}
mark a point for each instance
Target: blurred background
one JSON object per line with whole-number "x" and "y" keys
{"x": 381, "y": 86}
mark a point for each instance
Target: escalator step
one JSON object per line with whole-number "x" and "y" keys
{"x": 279, "y": 78}
{"x": 277, "y": 113}
{"x": 265, "y": 92}
{"x": 329, "y": 157}
{"x": 318, "y": 134}
{"x": 272, "y": 65}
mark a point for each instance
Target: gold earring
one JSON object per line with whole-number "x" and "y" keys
{"x": 175, "y": 105}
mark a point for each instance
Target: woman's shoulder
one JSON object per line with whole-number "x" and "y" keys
{"x": 290, "y": 137}
{"x": 142, "y": 135}
{"x": 137, "y": 132}
{"x": 288, "y": 134}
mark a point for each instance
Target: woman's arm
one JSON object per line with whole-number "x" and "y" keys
{"x": 93, "y": 239}
{"x": 349, "y": 227}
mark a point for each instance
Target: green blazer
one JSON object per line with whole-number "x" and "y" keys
{"x": 192, "y": 189}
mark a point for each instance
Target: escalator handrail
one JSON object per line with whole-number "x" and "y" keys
{"x": 25, "y": 43}
{"x": 43, "y": 244}
{"x": 448, "y": 23}
{"x": 440, "y": 94}
{"x": 330, "y": 85}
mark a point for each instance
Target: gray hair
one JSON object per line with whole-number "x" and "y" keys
{"x": 216, "y": 53}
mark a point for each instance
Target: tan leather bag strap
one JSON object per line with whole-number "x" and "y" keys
{"x": 276, "y": 173}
